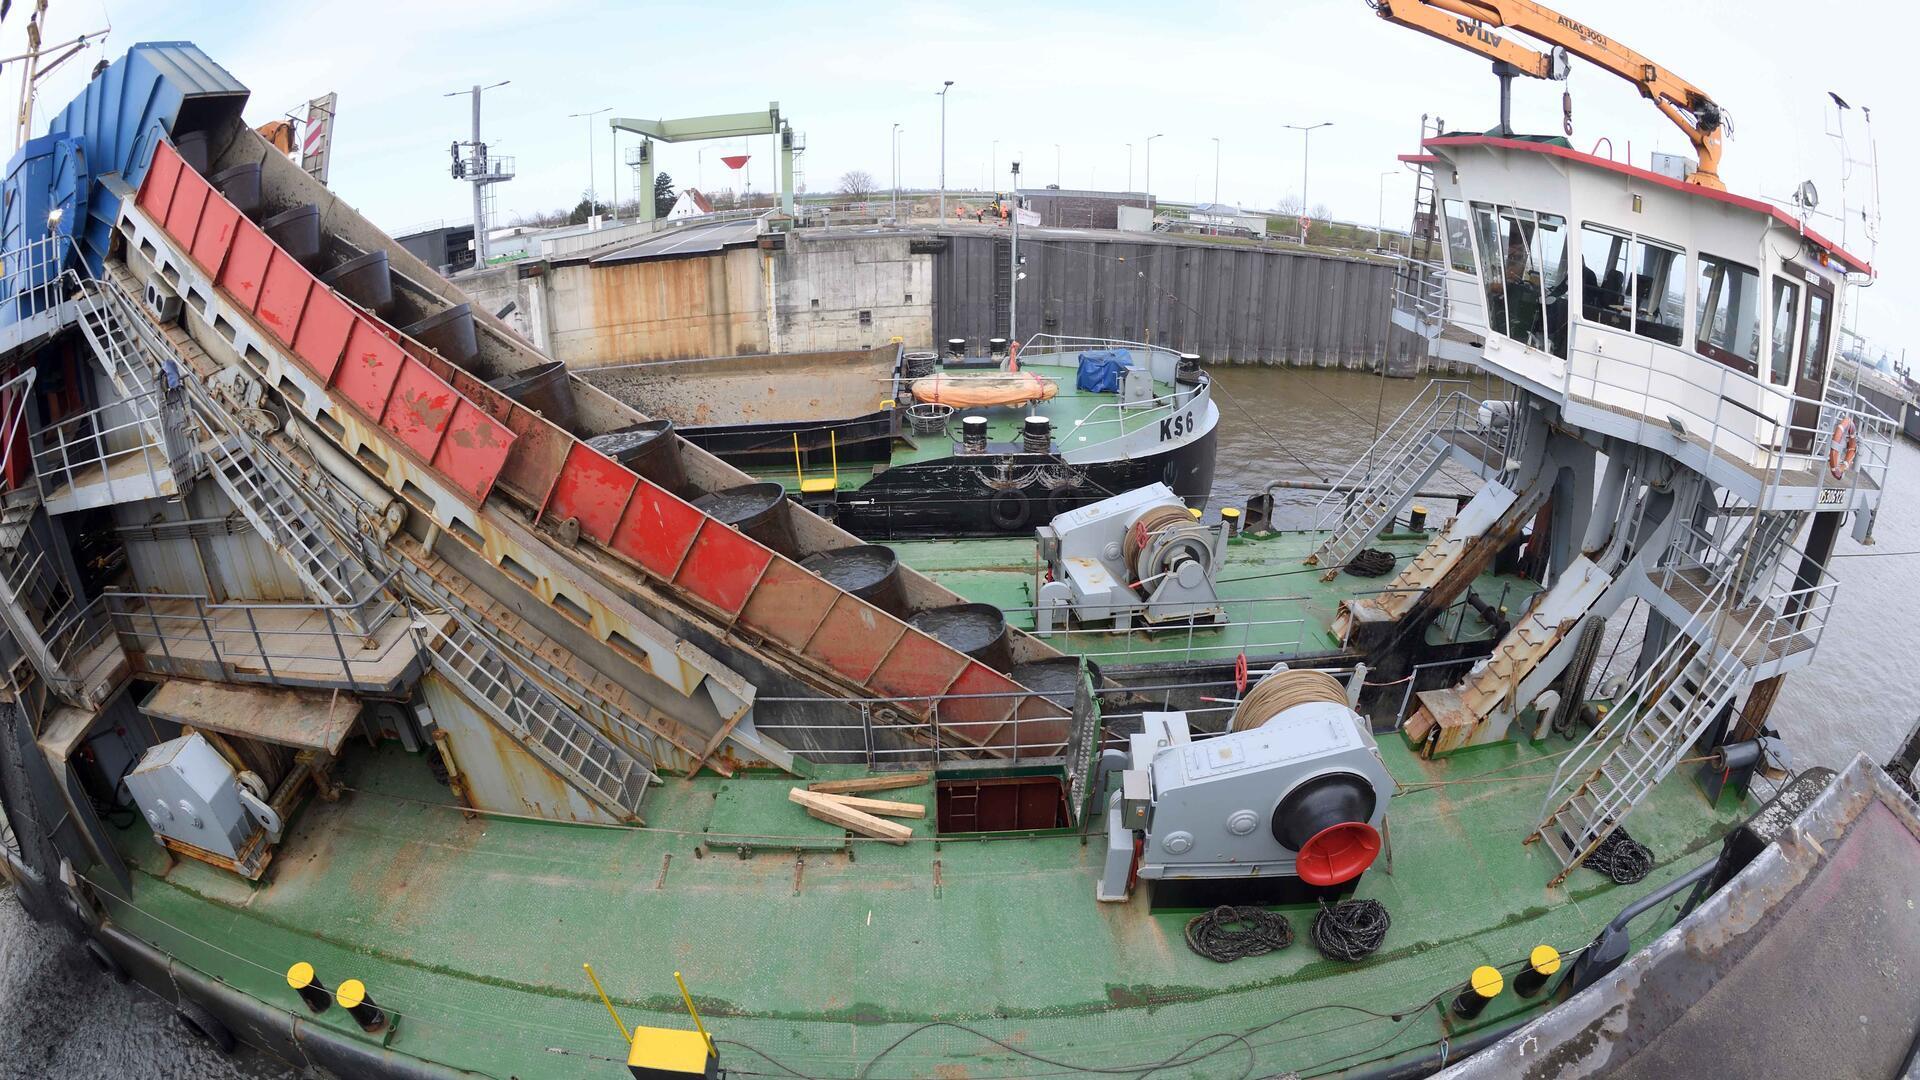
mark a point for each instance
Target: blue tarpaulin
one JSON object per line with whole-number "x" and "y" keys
{"x": 1100, "y": 370}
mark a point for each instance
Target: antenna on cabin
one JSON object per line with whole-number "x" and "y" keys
{"x": 1869, "y": 208}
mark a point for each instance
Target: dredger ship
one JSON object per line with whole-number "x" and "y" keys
{"x": 366, "y": 715}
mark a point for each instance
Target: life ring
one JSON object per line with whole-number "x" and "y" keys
{"x": 1844, "y": 433}
{"x": 1009, "y": 509}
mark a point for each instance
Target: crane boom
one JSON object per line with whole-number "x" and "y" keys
{"x": 1470, "y": 24}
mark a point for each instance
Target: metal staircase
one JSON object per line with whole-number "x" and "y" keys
{"x": 135, "y": 354}
{"x": 594, "y": 764}
{"x": 1404, "y": 457}
{"x": 608, "y": 706}
{"x": 1660, "y": 715}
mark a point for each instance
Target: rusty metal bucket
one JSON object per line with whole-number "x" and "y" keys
{"x": 979, "y": 630}
{"x": 367, "y": 280}
{"x": 649, "y": 449}
{"x": 759, "y": 510}
{"x": 544, "y": 388}
{"x": 450, "y": 333}
{"x": 297, "y": 231}
{"x": 240, "y": 185}
{"x": 870, "y": 572}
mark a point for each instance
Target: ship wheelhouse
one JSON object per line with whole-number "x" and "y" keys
{"x": 1637, "y": 301}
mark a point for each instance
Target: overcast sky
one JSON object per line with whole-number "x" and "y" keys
{"x": 1088, "y": 77}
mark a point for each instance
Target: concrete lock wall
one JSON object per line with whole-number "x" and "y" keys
{"x": 1230, "y": 304}
{"x": 853, "y": 291}
{"x": 824, "y": 293}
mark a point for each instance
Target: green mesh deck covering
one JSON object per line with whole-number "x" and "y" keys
{"x": 474, "y": 930}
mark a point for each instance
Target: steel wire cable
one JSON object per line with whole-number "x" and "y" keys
{"x": 1229, "y": 933}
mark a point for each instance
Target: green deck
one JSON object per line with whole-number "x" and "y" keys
{"x": 1079, "y": 420}
{"x": 474, "y": 930}
{"x": 1274, "y": 603}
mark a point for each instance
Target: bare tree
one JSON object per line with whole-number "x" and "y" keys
{"x": 858, "y": 183}
{"x": 1290, "y": 204}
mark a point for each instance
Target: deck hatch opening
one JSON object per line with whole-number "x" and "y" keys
{"x": 976, "y": 804}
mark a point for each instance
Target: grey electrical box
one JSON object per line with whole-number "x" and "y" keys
{"x": 189, "y": 793}
{"x": 1136, "y": 798}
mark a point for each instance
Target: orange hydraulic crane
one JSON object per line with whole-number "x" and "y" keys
{"x": 1470, "y": 24}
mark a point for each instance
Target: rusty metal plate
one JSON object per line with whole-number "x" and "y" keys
{"x": 975, "y": 718}
{"x": 246, "y": 267}
{"x": 368, "y": 370}
{"x": 593, "y": 489}
{"x": 283, "y": 296}
{"x": 418, "y": 409}
{"x": 322, "y": 336}
{"x": 539, "y": 452}
{"x": 722, "y": 566}
{"x": 855, "y": 637}
{"x": 189, "y": 198}
{"x": 656, "y": 530}
{"x": 788, "y": 604}
{"x": 475, "y": 447}
{"x": 918, "y": 667}
{"x": 156, "y": 191}
{"x": 217, "y": 224}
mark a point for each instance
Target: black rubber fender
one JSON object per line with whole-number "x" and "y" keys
{"x": 1009, "y": 509}
{"x": 202, "y": 1023}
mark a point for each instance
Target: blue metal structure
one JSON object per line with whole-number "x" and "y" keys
{"x": 109, "y": 129}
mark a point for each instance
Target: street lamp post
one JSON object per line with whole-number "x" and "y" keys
{"x": 1216, "y": 174}
{"x": 893, "y": 161}
{"x": 1129, "y": 166}
{"x": 1305, "y": 147}
{"x": 592, "y": 192}
{"x": 1149, "y": 183}
{"x": 1013, "y": 261}
{"x": 994, "y": 181}
{"x": 1056, "y": 165}
{"x": 943, "y": 148}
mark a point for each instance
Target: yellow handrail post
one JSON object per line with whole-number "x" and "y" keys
{"x": 833, "y": 446}
{"x": 695, "y": 1013}
{"x": 799, "y": 477}
{"x": 604, "y": 1000}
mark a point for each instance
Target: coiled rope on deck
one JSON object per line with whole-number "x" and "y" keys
{"x": 1370, "y": 562}
{"x": 1228, "y": 933}
{"x": 1351, "y": 930}
{"x": 1621, "y": 858}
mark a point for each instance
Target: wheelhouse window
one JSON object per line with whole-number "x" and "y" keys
{"x": 1459, "y": 240}
{"x": 1813, "y": 345}
{"x": 1659, "y": 291}
{"x": 1606, "y": 296}
{"x": 1523, "y": 256}
{"x": 1786, "y": 311}
{"x": 1728, "y": 329}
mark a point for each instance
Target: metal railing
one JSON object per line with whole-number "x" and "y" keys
{"x": 89, "y": 447}
{"x": 1420, "y": 288}
{"x": 1140, "y": 642}
{"x": 1795, "y": 612}
{"x": 248, "y": 641}
{"x": 1443, "y": 405}
{"x": 1671, "y": 385}
{"x": 31, "y": 277}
